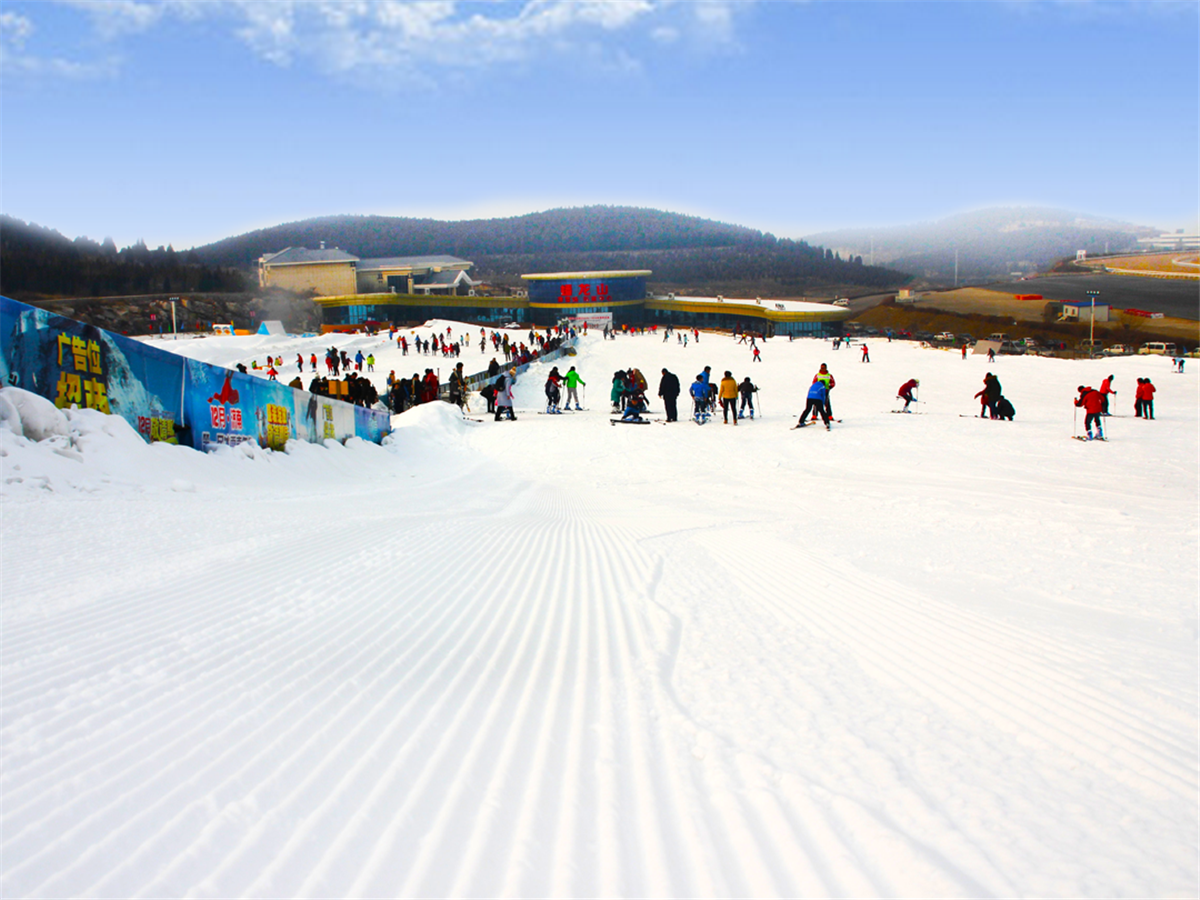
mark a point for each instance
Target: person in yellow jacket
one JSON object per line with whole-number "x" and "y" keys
{"x": 728, "y": 392}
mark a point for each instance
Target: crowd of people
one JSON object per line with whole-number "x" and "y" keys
{"x": 628, "y": 396}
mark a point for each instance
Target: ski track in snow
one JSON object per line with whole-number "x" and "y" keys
{"x": 593, "y": 680}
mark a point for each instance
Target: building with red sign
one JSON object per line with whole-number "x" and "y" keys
{"x": 619, "y": 294}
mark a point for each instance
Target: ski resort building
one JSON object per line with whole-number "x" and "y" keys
{"x": 616, "y": 296}
{"x": 335, "y": 273}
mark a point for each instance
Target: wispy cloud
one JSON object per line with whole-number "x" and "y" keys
{"x": 416, "y": 40}
{"x": 17, "y": 58}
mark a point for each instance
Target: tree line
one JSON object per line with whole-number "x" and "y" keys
{"x": 40, "y": 262}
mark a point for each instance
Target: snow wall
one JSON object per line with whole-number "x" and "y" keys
{"x": 163, "y": 396}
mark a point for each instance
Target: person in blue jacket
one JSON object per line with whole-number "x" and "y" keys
{"x": 699, "y": 392}
{"x": 817, "y": 394}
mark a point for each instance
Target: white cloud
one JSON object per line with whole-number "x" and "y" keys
{"x": 392, "y": 41}
{"x": 16, "y": 32}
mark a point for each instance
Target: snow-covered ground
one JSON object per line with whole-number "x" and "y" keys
{"x": 918, "y": 655}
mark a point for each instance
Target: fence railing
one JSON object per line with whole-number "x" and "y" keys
{"x": 477, "y": 380}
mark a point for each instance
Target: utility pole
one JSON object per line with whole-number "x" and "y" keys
{"x": 1092, "y": 327}
{"x": 174, "y": 330}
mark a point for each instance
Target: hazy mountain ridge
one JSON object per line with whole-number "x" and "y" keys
{"x": 990, "y": 243}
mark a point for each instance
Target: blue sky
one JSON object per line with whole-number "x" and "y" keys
{"x": 184, "y": 122}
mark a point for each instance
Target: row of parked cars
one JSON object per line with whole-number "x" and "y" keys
{"x": 1022, "y": 346}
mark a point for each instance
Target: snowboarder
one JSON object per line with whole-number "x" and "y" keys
{"x": 906, "y": 392}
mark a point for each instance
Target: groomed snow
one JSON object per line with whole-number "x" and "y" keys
{"x": 918, "y": 655}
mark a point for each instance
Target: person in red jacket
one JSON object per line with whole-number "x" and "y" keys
{"x": 429, "y": 387}
{"x": 1106, "y": 389}
{"x": 906, "y": 392}
{"x": 1091, "y": 400}
{"x": 1143, "y": 406}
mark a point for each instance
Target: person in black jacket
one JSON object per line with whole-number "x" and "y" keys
{"x": 668, "y": 389}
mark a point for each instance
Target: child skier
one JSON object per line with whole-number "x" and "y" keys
{"x": 906, "y": 392}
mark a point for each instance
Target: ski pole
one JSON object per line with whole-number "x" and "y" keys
{"x": 1075, "y": 423}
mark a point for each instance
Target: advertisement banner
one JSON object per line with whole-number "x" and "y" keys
{"x": 165, "y": 397}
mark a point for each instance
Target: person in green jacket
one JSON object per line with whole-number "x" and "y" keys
{"x": 573, "y": 381}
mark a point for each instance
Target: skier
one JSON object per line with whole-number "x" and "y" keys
{"x": 504, "y": 395}
{"x": 1144, "y": 405}
{"x": 312, "y": 362}
{"x": 757, "y": 355}
{"x": 1105, "y": 390}
{"x": 619, "y": 390}
{"x": 823, "y": 375}
{"x": 553, "y": 392}
{"x": 371, "y": 362}
{"x": 866, "y": 357}
{"x": 1091, "y": 400}
{"x": 728, "y": 392}
{"x": 699, "y": 392}
{"x": 746, "y": 389}
{"x": 818, "y": 396}
{"x": 573, "y": 382}
{"x": 988, "y": 396}
{"x": 668, "y": 389}
{"x": 906, "y": 392}
{"x": 458, "y": 386}
{"x": 299, "y": 362}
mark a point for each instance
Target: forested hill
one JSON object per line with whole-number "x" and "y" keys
{"x": 682, "y": 250}
{"x": 582, "y": 229}
{"x": 40, "y": 262}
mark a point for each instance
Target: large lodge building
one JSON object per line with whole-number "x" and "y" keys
{"x": 354, "y": 292}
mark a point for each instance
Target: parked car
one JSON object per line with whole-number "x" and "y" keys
{"x": 945, "y": 336}
{"x": 925, "y": 336}
{"x": 1118, "y": 350}
{"x": 1159, "y": 348}
{"x": 1090, "y": 346}
{"x": 1012, "y": 348}
{"x": 965, "y": 339}
{"x": 999, "y": 336}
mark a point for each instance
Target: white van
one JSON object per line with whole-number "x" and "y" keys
{"x": 1159, "y": 348}
{"x": 999, "y": 336}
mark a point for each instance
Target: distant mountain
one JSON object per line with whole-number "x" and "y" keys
{"x": 991, "y": 244}
{"x": 582, "y": 229}
{"x": 685, "y": 250}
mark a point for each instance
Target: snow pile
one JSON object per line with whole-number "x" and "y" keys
{"x": 916, "y": 655}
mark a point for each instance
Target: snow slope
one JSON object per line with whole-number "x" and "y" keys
{"x": 918, "y": 655}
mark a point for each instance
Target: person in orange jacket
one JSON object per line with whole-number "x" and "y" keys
{"x": 728, "y": 393}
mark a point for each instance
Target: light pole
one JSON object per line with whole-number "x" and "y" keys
{"x": 1092, "y": 324}
{"x": 174, "y": 330}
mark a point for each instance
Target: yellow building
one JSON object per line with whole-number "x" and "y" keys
{"x": 335, "y": 273}
{"x": 325, "y": 272}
